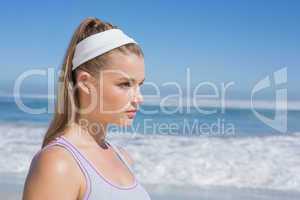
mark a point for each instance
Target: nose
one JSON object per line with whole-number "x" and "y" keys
{"x": 138, "y": 97}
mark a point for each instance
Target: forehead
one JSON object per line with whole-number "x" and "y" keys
{"x": 129, "y": 66}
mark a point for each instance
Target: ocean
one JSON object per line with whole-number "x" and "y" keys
{"x": 179, "y": 153}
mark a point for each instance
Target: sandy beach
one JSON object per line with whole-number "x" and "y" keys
{"x": 14, "y": 192}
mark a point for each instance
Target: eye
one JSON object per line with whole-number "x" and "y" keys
{"x": 125, "y": 84}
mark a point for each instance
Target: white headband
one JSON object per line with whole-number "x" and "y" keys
{"x": 98, "y": 44}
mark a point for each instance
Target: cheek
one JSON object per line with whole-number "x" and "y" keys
{"x": 116, "y": 97}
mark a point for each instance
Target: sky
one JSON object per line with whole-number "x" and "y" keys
{"x": 239, "y": 41}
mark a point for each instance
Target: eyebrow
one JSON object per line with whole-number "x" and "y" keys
{"x": 131, "y": 79}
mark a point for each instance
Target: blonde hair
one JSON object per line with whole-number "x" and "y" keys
{"x": 67, "y": 98}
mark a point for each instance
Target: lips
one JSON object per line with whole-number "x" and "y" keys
{"x": 134, "y": 110}
{"x": 131, "y": 113}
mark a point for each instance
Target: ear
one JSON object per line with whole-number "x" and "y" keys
{"x": 83, "y": 79}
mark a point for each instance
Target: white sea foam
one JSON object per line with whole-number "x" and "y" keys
{"x": 257, "y": 162}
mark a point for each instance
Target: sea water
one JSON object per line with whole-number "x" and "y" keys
{"x": 180, "y": 154}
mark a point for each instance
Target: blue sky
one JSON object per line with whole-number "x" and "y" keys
{"x": 220, "y": 41}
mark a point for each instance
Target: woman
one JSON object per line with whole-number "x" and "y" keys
{"x": 99, "y": 85}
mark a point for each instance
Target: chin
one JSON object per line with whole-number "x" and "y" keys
{"x": 124, "y": 122}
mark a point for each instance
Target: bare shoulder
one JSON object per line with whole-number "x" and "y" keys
{"x": 46, "y": 178}
{"x": 126, "y": 154}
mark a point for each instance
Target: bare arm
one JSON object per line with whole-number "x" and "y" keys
{"x": 51, "y": 176}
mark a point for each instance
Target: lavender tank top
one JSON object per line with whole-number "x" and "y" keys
{"x": 97, "y": 186}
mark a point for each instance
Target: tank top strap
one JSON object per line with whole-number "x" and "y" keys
{"x": 79, "y": 160}
{"x": 116, "y": 148}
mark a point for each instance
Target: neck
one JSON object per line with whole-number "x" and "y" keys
{"x": 91, "y": 131}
